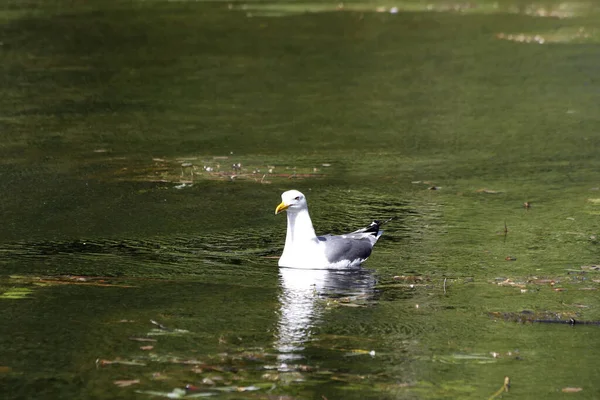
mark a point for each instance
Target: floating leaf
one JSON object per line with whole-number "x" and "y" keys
{"x": 137, "y": 339}
{"x": 174, "y": 332}
{"x": 552, "y": 282}
{"x": 344, "y": 304}
{"x": 465, "y": 359}
{"x": 509, "y": 282}
{"x": 237, "y": 388}
{"x": 126, "y": 383}
{"x": 174, "y": 394}
{"x": 356, "y": 352}
{"x": 488, "y": 191}
{"x": 591, "y": 268}
{"x": 16, "y": 293}
{"x": 121, "y": 362}
{"x": 571, "y": 389}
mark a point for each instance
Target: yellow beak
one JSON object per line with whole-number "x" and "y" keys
{"x": 281, "y": 207}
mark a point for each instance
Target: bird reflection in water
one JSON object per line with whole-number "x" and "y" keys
{"x": 302, "y": 291}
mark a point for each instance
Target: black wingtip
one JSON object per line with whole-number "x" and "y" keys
{"x": 375, "y": 225}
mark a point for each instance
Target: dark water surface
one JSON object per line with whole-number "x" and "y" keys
{"x": 123, "y": 124}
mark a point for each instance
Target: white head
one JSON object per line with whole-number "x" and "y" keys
{"x": 291, "y": 201}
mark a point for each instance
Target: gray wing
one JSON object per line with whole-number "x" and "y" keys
{"x": 352, "y": 246}
{"x": 349, "y": 247}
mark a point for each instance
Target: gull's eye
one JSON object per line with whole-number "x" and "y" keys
{"x": 297, "y": 198}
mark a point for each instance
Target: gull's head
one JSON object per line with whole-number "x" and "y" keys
{"x": 291, "y": 201}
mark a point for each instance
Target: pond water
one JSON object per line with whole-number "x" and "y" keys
{"x": 145, "y": 145}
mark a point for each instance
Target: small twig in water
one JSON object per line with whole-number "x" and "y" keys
{"x": 445, "y": 285}
{"x": 503, "y": 389}
{"x": 161, "y": 326}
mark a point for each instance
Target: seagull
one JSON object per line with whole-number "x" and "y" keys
{"x": 304, "y": 249}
